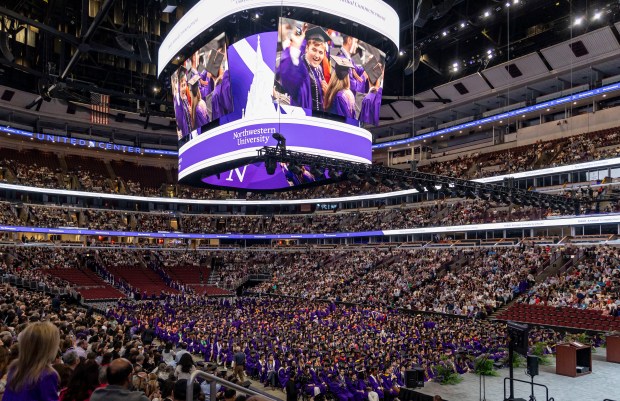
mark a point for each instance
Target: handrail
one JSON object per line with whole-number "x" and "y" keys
{"x": 213, "y": 380}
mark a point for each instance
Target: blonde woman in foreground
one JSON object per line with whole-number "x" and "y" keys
{"x": 31, "y": 376}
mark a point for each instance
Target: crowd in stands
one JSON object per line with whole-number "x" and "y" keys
{"x": 35, "y": 263}
{"x": 417, "y": 279}
{"x": 592, "y": 283}
{"x": 441, "y": 212}
{"x": 118, "y": 257}
{"x": 152, "y": 222}
{"x": 489, "y": 279}
{"x": 41, "y": 216}
{"x": 8, "y": 214}
{"x": 46, "y": 172}
{"x": 99, "y": 219}
{"x": 568, "y": 150}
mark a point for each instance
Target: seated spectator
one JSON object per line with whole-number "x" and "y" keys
{"x": 84, "y": 381}
{"x": 31, "y": 376}
{"x": 118, "y": 373}
{"x": 180, "y": 391}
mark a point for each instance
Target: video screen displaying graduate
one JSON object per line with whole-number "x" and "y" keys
{"x": 201, "y": 88}
{"x": 319, "y": 69}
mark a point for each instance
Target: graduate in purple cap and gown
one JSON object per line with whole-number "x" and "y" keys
{"x": 206, "y": 84}
{"x": 357, "y": 75}
{"x": 339, "y": 99}
{"x": 181, "y": 105}
{"x": 198, "y": 113}
{"x": 221, "y": 101}
{"x": 371, "y": 105}
{"x": 337, "y": 385}
{"x": 374, "y": 383}
{"x": 301, "y": 71}
{"x": 358, "y": 387}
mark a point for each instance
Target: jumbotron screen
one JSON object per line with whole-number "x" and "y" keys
{"x": 322, "y": 70}
{"x": 311, "y": 84}
{"x": 201, "y": 88}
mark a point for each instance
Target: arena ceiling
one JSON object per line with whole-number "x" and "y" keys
{"x": 88, "y": 43}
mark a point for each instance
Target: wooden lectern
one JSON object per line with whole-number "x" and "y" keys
{"x": 613, "y": 348}
{"x": 572, "y": 356}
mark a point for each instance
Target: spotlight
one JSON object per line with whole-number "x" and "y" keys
{"x": 515, "y": 1}
{"x": 143, "y": 48}
{"x": 578, "y": 21}
{"x": 124, "y": 44}
{"x": 444, "y": 33}
{"x": 294, "y": 168}
{"x": 402, "y": 52}
{"x": 416, "y": 185}
{"x": 317, "y": 172}
{"x": 597, "y": 16}
{"x": 5, "y": 50}
{"x": 168, "y": 6}
{"x": 270, "y": 166}
{"x": 507, "y": 4}
{"x": 281, "y": 145}
{"x": 463, "y": 25}
{"x": 487, "y": 14}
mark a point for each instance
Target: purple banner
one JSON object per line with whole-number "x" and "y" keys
{"x": 300, "y": 136}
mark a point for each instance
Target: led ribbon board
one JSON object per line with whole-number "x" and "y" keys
{"x": 560, "y": 222}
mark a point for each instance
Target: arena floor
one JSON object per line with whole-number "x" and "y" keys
{"x": 601, "y": 384}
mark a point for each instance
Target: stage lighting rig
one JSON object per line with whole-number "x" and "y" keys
{"x": 420, "y": 181}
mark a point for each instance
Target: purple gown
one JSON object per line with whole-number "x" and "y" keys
{"x": 221, "y": 101}
{"x": 201, "y": 117}
{"x": 297, "y": 82}
{"x": 205, "y": 90}
{"x": 356, "y": 86}
{"x": 370, "y": 107}
{"x": 45, "y": 389}
{"x": 181, "y": 112}
{"x": 341, "y": 106}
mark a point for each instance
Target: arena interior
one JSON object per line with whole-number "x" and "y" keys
{"x": 310, "y": 200}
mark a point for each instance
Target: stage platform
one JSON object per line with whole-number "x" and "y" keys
{"x": 600, "y": 385}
